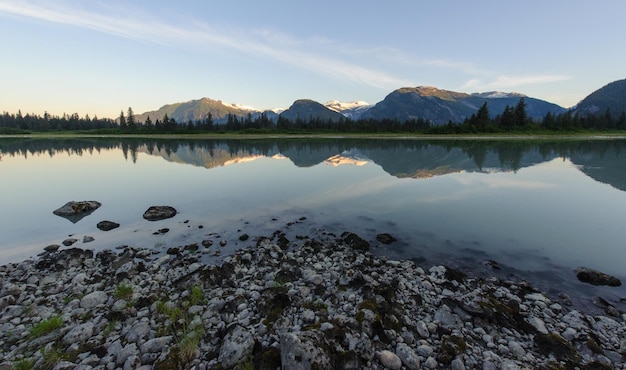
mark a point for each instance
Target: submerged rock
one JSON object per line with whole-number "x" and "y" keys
{"x": 157, "y": 213}
{"x": 75, "y": 211}
{"x": 385, "y": 238}
{"x": 593, "y": 277}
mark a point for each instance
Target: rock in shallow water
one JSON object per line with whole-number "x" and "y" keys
{"x": 156, "y": 213}
{"x": 107, "y": 225}
{"x": 593, "y": 277}
{"x": 76, "y": 211}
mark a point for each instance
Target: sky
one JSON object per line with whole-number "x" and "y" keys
{"x": 98, "y": 58}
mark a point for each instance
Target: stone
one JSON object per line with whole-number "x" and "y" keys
{"x": 69, "y": 241}
{"x": 129, "y": 350}
{"x": 385, "y": 238}
{"x": 457, "y": 364}
{"x": 355, "y": 241}
{"x": 52, "y": 248}
{"x": 94, "y": 299}
{"x": 156, "y": 345}
{"x": 408, "y": 357}
{"x": 425, "y": 350}
{"x": 237, "y": 347}
{"x": 107, "y": 225}
{"x": 389, "y": 360}
{"x": 75, "y": 211}
{"x": 157, "y": 213}
{"x": 593, "y": 277}
{"x": 303, "y": 350}
{"x": 516, "y": 349}
{"x": 422, "y": 329}
{"x": 79, "y": 333}
{"x": 538, "y": 324}
{"x": 88, "y": 239}
{"x": 431, "y": 363}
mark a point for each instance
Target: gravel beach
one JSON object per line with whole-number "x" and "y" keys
{"x": 310, "y": 303}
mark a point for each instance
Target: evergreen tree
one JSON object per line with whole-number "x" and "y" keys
{"x": 122, "y": 120}
{"x": 130, "y": 119}
{"x": 521, "y": 118}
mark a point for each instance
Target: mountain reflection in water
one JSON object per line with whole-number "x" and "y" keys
{"x": 602, "y": 160}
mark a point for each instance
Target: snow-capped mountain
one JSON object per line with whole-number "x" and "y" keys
{"x": 352, "y": 110}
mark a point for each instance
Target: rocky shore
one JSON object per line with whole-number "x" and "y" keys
{"x": 311, "y": 303}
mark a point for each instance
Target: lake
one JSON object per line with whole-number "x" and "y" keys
{"x": 517, "y": 209}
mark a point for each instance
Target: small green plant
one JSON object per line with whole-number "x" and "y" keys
{"x": 24, "y": 364}
{"x": 110, "y": 327}
{"x": 197, "y": 295}
{"x": 52, "y": 357}
{"x": 68, "y": 298}
{"x": 123, "y": 291}
{"x": 46, "y": 326}
{"x": 188, "y": 344}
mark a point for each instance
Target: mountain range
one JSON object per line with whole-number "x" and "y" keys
{"x": 424, "y": 102}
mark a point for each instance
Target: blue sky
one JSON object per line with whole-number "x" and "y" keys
{"x": 101, "y": 57}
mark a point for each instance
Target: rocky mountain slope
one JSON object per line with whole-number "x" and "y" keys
{"x": 611, "y": 97}
{"x": 441, "y": 106}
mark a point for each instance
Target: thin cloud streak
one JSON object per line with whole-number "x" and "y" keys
{"x": 507, "y": 82}
{"x": 143, "y": 28}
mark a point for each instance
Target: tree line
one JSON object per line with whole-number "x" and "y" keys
{"x": 513, "y": 119}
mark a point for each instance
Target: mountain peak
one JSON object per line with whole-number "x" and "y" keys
{"x": 430, "y": 91}
{"x": 309, "y": 109}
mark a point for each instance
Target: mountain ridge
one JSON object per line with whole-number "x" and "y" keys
{"x": 429, "y": 103}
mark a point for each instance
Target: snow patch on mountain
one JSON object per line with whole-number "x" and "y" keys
{"x": 338, "y": 106}
{"x": 498, "y": 95}
{"x": 241, "y": 107}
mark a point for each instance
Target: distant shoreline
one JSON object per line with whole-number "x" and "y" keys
{"x": 402, "y": 136}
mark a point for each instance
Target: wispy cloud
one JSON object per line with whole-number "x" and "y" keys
{"x": 508, "y": 82}
{"x": 199, "y": 35}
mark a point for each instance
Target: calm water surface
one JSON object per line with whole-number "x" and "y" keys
{"x": 537, "y": 208}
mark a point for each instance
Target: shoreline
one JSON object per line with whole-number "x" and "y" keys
{"x": 330, "y": 304}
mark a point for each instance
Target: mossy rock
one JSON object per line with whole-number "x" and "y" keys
{"x": 451, "y": 347}
{"x": 454, "y": 274}
{"x": 171, "y": 362}
{"x": 595, "y": 366}
{"x": 558, "y": 346}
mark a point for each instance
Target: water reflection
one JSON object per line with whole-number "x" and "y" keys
{"x": 602, "y": 160}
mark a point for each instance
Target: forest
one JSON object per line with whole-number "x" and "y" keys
{"x": 514, "y": 119}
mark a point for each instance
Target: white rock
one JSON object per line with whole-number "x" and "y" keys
{"x": 431, "y": 363}
{"x": 79, "y": 333}
{"x": 422, "y": 329}
{"x": 94, "y": 299}
{"x": 538, "y": 324}
{"x": 389, "y": 360}
{"x": 237, "y": 345}
{"x": 516, "y": 349}
{"x": 156, "y": 345}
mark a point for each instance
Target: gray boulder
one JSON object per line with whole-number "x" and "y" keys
{"x": 304, "y": 350}
{"x": 79, "y": 333}
{"x": 237, "y": 347}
